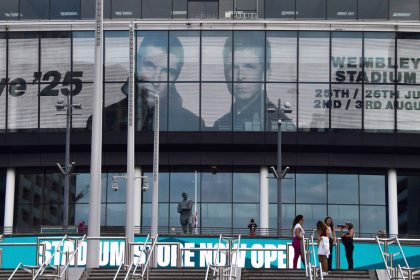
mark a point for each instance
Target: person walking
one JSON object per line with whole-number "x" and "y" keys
{"x": 298, "y": 235}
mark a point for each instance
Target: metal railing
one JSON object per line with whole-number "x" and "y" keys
{"x": 221, "y": 270}
{"x": 395, "y": 272}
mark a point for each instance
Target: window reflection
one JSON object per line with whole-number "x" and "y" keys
{"x": 216, "y": 215}
{"x": 404, "y": 10}
{"x": 372, "y": 219}
{"x": 373, "y": 189}
{"x": 163, "y": 187}
{"x": 156, "y": 9}
{"x": 216, "y": 187}
{"x": 343, "y": 189}
{"x": 163, "y": 218}
{"x": 34, "y": 9}
{"x": 287, "y": 188}
{"x": 65, "y": 9}
{"x": 310, "y": 9}
{"x": 372, "y": 9}
{"x": 341, "y": 9}
{"x": 242, "y": 213}
{"x": 246, "y": 187}
{"x": 312, "y": 214}
{"x": 344, "y": 214}
{"x": 311, "y": 188}
{"x": 280, "y": 9}
{"x": 115, "y": 214}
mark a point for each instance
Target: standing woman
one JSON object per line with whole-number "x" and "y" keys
{"x": 332, "y": 237}
{"x": 298, "y": 234}
{"x": 347, "y": 239}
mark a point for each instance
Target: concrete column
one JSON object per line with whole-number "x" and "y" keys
{"x": 9, "y": 205}
{"x": 392, "y": 202}
{"x": 264, "y": 202}
{"x": 137, "y": 199}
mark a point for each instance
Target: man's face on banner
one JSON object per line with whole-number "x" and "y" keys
{"x": 247, "y": 68}
{"x": 153, "y": 70}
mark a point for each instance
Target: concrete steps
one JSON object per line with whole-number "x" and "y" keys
{"x": 292, "y": 274}
{"x": 21, "y": 274}
{"x": 156, "y": 274}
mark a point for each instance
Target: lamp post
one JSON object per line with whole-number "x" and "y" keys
{"x": 155, "y": 190}
{"x": 279, "y": 171}
{"x": 68, "y": 167}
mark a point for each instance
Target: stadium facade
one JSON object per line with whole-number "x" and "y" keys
{"x": 350, "y": 71}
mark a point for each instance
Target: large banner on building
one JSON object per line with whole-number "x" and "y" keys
{"x": 255, "y": 252}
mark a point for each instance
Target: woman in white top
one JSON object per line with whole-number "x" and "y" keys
{"x": 298, "y": 234}
{"x": 332, "y": 238}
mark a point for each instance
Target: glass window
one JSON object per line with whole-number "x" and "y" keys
{"x": 3, "y": 58}
{"x": 216, "y": 187}
{"x": 23, "y": 55}
{"x": 408, "y": 206}
{"x": 404, "y": 10}
{"x": 116, "y": 55}
{"x": 341, "y": 9}
{"x": 202, "y": 9}
{"x": 314, "y": 53}
{"x": 20, "y": 115}
{"x": 163, "y": 218}
{"x": 379, "y": 107}
{"x": 248, "y": 107}
{"x": 53, "y": 188}
{"x": 83, "y": 55}
{"x": 126, "y": 9}
{"x": 156, "y": 8}
{"x": 314, "y": 107}
{"x": 287, "y": 188}
{"x": 3, "y": 88}
{"x": 287, "y": 94}
{"x": 311, "y": 9}
{"x": 83, "y": 95}
{"x": 408, "y": 109}
{"x": 217, "y": 47}
{"x": 246, "y": 187}
{"x": 288, "y": 213}
{"x": 55, "y": 57}
{"x": 81, "y": 213}
{"x": 116, "y": 195}
{"x": 184, "y": 182}
{"x": 30, "y": 188}
{"x": 344, "y": 214}
{"x": 152, "y": 57}
{"x": 380, "y": 58}
{"x": 34, "y": 9}
{"x": 343, "y": 189}
{"x": 9, "y": 10}
{"x": 115, "y": 214}
{"x": 65, "y": 9}
{"x": 163, "y": 181}
{"x": 226, "y": 9}
{"x": 311, "y": 213}
{"x": 115, "y": 111}
{"x": 88, "y": 8}
{"x": 311, "y": 188}
{"x": 249, "y": 9}
{"x": 281, "y": 56}
{"x": 146, "y": 106}
{"x": 408, "y": 50}
{"x": 372, "y": 189}
{"x": 216, "y": 215}
{"x": 280, "y": 8}
{"x": 346, "y": 106}
{"x": 242, "y": 213}
{"x": 179, "y": 8}
{"x": 372, "y": 219}
{"x": 184, "y": 49}
{"x": 80, "y": 188}
{"x": 216, "y": 102}
{"x": 372, "y": 9}
{"x": 184, "y": 106}
{"x": 346, "y": 53}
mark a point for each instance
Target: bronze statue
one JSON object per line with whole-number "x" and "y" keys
{"x": 185, "y": 211}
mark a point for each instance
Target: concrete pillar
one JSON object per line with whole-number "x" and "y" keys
{"x": 264, "y": 199}
{"x": 9, "y": 205}
{"x": 137, "y": 199}
{"x": 392, "y": 202}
